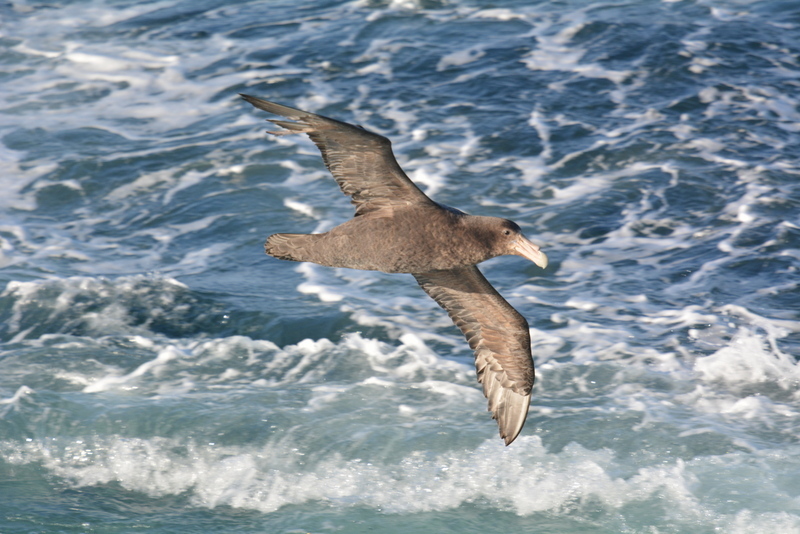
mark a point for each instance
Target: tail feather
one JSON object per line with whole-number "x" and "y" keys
{"x": 288, "y": 246}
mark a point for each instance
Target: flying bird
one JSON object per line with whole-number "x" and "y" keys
{"x": 398, "y": 229}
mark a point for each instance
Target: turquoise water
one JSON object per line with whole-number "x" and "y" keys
{"x": 159, "y": 373}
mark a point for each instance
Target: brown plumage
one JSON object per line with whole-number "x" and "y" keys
{"x": 398, "y": 229}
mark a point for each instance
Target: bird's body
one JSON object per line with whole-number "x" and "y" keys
{"x": 396, "y": 243}
{"x": 398, "y": 229}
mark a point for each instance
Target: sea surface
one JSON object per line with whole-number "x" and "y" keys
{"x": 159, "y": 373}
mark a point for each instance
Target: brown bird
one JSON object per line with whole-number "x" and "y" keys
{"x": 398, "y": 229}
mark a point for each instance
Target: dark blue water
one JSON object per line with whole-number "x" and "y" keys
{"x": 159, "y": 373}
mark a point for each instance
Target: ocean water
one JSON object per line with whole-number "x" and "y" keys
{"x": 159, "y": 373}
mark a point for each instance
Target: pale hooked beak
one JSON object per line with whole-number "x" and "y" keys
{"x": 526, "y": 249}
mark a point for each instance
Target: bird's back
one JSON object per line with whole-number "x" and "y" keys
{"x": 412, "y": 240}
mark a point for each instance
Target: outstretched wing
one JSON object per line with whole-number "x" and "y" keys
{"x": 499, "y": 336}
{"x": 362, "y": 162}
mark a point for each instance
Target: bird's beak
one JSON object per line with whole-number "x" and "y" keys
{"x": 523, "y": 247}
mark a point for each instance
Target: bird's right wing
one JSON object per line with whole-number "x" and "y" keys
{"x": 362, "y": 162}
{"x": 499, "y": 336}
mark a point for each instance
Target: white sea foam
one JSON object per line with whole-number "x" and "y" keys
{"x": 555, "y": 52}
{"x": 272, "y": 476}
{"x": 748, "y": 359}
{"x": 152, "y": 367}
{"x": 461, "y": 57}
{"x": 172, "y": 366}
{"x": 299, "y": 207}
{"x": 9, "y": 404}
{"x": 88, "y": 301}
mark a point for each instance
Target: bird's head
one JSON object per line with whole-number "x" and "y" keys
{"x": 506, "y": 238}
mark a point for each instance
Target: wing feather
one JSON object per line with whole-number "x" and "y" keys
{"x": 499, "y": 336}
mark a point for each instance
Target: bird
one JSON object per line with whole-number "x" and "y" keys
{"x": 397, "y": 228}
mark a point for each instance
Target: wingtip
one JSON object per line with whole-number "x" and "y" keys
{"x": 509, "y": 437}
{"x": 510, "y": 410}
{"x": 254, "y": 101}
{"x": 257, "y": 102}
{"x": 508, "y": 407}
{"x": 506, "y": 428}
{"x": 278, "y": 109}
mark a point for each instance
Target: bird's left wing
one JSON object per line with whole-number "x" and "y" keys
{"x": 362, "y": 162}
{"x": 499, "y": 336}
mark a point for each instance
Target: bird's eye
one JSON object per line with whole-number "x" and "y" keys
{"x": 506, "y": 232}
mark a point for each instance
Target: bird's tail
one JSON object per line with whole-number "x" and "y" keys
{"x": 294, "y": 247}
